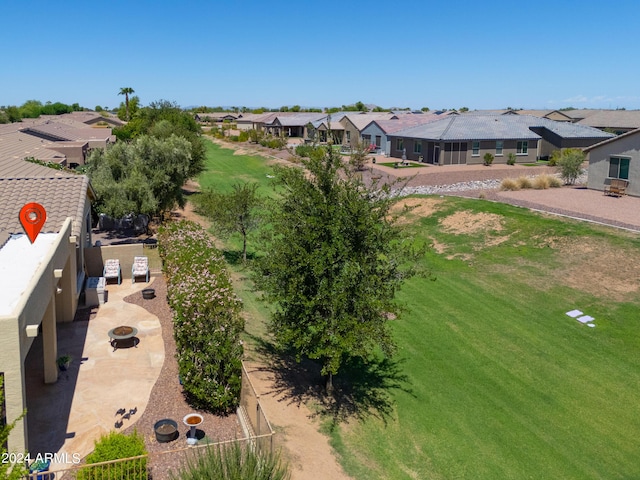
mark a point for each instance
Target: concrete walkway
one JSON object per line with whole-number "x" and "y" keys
{"x": 67, "y": 417}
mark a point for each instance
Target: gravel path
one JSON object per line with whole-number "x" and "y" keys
{"x": 167, "y": 400}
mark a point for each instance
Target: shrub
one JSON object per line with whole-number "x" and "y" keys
{"x": 255, "y": 135}
{"x": 541, "y": 182}
{"x": 488, "y": 159}
{"x": 511, "y": 159}
{"x": 554, "y": 182}
{"x": 306, "y": 150}
{"x": 115, "y": 446}
{"x": 570, "y": 163}
{"x": 553, "y": 159}
{"x": 234, "y": 138}
{"x": 523, "y": 182}
{"x": 228, "y": 462}
{"x": 206, "y": 317}
{"x": 509, "y": 184}
{"x": 243, "y": 136}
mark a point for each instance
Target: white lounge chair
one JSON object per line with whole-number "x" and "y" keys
{"x": 140, "y": 268}
{"x": 112, "y": 269}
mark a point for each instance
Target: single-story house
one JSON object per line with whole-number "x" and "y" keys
{"x": 40, "y": 282}
{"x": 354, "y": 123}
{"x": 617, "y": 157}
{"x": 376, "y": 131}
{"x": 293, "y": 124}
{"x": 255, "y": 121}
{"x": 465, "y": 139}
{"x": 616, "y": 121}
{"x": 216, "y": 117}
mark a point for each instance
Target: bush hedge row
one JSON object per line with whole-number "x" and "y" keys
{"x": 206, "y": 316}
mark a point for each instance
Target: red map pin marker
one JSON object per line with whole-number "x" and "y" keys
{"x": 32, "y": 217}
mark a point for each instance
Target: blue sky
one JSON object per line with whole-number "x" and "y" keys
{"x": 447, "y": 54}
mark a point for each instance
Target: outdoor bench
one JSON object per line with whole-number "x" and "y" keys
{"x": 617, "y": 187}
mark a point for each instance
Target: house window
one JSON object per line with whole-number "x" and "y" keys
{"x": 417, "y": 147}
{"x": 366, "y": 139}
{"x": 348, "y": 132}
{"x": 522, "y": 148}
{"x": 378, "y": 141}
{"x": 475, "y": 147}
{"x": 499, "y": 145}
{"x": 619, "y": 167}
{"x": 399, "y": 144}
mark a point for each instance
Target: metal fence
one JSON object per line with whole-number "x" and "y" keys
{"x": 256, "y": 420}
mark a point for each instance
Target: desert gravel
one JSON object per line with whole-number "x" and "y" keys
{"x": 167, "y": 399}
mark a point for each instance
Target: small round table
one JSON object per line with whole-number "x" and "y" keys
{"x": 123, "y": 335}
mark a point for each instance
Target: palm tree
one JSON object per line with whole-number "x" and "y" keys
{"x": 126, "y": 91}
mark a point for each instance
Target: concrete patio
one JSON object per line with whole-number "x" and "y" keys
{"x": 68, "y": 416}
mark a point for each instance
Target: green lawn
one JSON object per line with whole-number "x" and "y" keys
{"x": 393, "y": 164}
{"x": 223, "y": 169}
{"x": 501, "y": 383}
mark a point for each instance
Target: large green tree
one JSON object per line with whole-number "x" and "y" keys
{"x": 144, "y": 176}
{"x": 162, "y": 119}
{"x": 335, "y": 261}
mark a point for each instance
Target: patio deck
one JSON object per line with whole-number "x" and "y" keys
{"x": 66, "y": 417}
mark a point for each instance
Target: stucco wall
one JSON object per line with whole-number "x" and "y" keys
{"x": 599, "y": 163}
{"x": 95, "y": 257}
{"x": 36, "y": 306}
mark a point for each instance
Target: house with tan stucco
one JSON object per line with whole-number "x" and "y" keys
{"x": 40, "y": 282}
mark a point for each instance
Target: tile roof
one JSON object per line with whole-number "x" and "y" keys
{"x": 496, "y": 127}
{"x": 15, "y": 146}
{"x": 362, "y": 120}
{"x": 58, "y": 131}
{"x": 630, "y": 133}
{"x": 613, "y": 119}
{"x": 298, "y": 119}
{"x": 406, "y": 121}
{"x": 61, "y": 197}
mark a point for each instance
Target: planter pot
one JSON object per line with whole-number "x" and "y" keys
{"x": 148, "y": 293}
{"x": 166, "y": 430}
{"x": 63, "y": 367}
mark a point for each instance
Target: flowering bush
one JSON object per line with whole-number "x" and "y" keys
{"x": 206, "y": 316}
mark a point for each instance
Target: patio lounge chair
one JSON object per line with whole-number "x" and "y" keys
{"x": 140, "y": 268}
{"x": 112, "y": 269}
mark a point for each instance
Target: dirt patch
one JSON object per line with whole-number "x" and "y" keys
{"x": 469, "y": 223}
{"x": 594, "y": 266}
{"x": 406, "y": 210}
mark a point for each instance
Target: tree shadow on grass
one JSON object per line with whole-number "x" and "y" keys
{"x": 361, "y": 390}
{"x": 234, "y": 257}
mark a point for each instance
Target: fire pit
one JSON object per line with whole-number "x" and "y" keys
{"x": 123, "y": 336}
{"x": 166, "y": 430}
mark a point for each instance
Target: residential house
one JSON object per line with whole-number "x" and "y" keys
{"x": 40, "y": 282}
{"x": 465, "y": 139}
{"x": 293, "y": 124}
{"x": 216, "y": 117}
{"x": 615, "y": 121}
{"x": 617, "y": 157}
{"x": 377, "y": 131}
{"x": 354, "y": 123}
{"x": 255, "y": 121}
{"x": 52, "y": 139}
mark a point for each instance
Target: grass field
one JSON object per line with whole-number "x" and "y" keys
{"x": 223, "y": 169}
{"x": 500, "y": 382}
